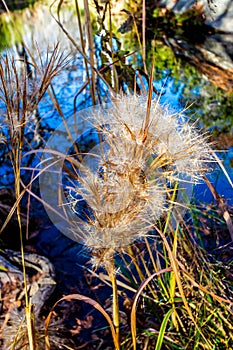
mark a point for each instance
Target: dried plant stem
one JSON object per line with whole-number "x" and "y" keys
{"x": 132, "y": 256}
{"x": 144, "y": 34}
{"x": 138, "y": 35}
{"x": 222, "y": 206}
{"x": 21, "y": 96}
{"x": 29, "y": 307}
{"x": 91, "y": 49}
{"x": 115, "y": 303}
{"x": 81, "y": 36}
{"x": 115, "y": 77}
{"x": 161, "y": 283}
{"x": 93, "y": 68}
{"x": 30, "y": 319}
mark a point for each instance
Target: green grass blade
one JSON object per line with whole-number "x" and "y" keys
{"x": 163, "y": 329}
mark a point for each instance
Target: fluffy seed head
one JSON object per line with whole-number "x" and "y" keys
{"x": 125, "y": 190}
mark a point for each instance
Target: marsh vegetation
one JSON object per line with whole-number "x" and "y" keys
{"x": 111, "y": 175}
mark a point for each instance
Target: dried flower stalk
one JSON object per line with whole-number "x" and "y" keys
{"x": 125, "y": 180}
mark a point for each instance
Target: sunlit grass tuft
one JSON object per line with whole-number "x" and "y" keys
{"x": 128, "y": 182}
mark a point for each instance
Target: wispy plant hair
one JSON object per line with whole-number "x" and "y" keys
{"x": 125, "y": 179}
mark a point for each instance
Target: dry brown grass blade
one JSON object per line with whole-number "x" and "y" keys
{"x": 6, "y": 93}
{"x": 111, "y": 91}
{"x": 222, "y": 206}
{"x": 87, "y": 300}
{"x": 9, "y": 216}
{"x": 6, "y": 7}
{"x": 175, "y": 267}
{"x": 131, "y": 16}
{"x": 54, "y": 64}
{"x": 21, "y": 93}
{"x": 91, "y": 49}
{"x": 115, "y": 75}
{"x": 133, "y": 317}
{"x": 144, "y": 34}
{"x": 54, "y": 99}
{"x": 80, "y": 30}
{"x": 221, "y": 166}
{"x": 83, "y": 49}
{"x": 204, "y": 289}
{"x": 60, "y": 156}
{"x": 149, "y": 100}
{"x": 26, "y": 188}
{"x": 110, "y": 268}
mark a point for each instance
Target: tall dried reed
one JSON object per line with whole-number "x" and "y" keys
{"x": 20, "y": 94}
{"x": 126, "y": 181}
{"x": 126, "y": 178}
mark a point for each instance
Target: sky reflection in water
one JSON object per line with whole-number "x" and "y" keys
{"x": 68, "y": 83}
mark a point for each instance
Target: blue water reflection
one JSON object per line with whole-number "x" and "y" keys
{"x": 65, "y": 89}
{"x": 221, "y": 179}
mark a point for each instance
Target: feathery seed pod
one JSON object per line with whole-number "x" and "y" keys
{"x": 124, "y": 180}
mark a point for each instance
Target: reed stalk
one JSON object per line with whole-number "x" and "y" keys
{"x": 110, "y": 268}
{"x": 144, "y": 34}
{"x": 20, "y": 99}
{"x": 91, "y": 50}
